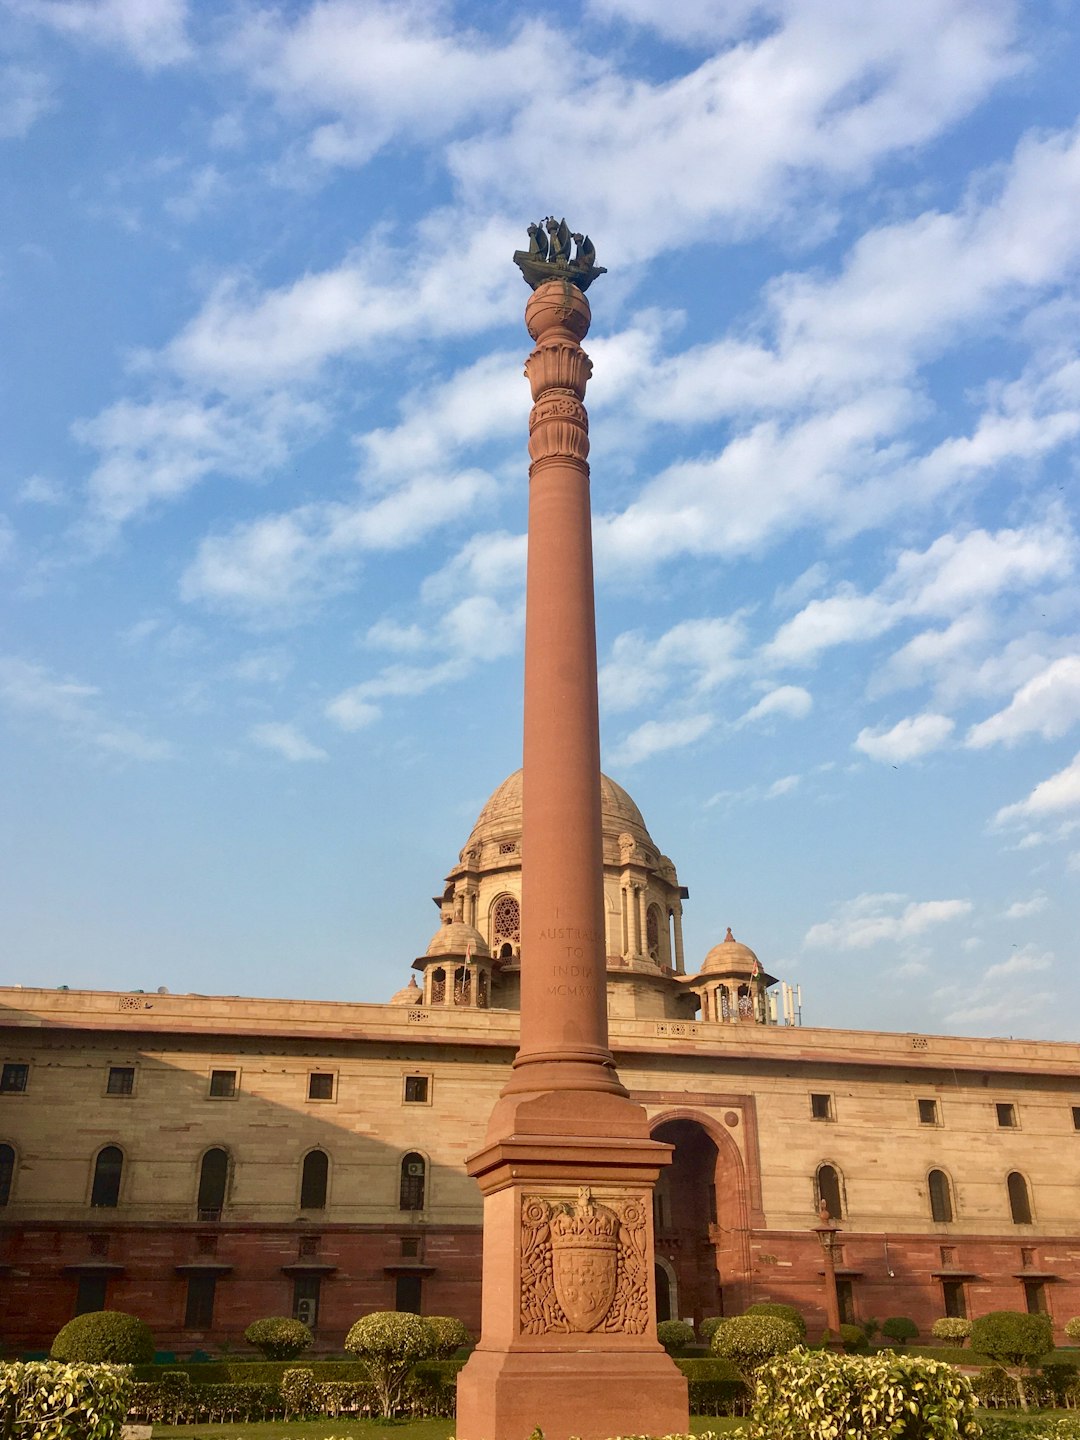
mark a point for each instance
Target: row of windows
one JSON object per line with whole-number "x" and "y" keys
{"x": 215, "y": 1170}
{"x": 221, "y": 1085}
{"x": 953, "y": 1299}
{"x": 829, "y": 1187}
{"x": 822, "y": 1107}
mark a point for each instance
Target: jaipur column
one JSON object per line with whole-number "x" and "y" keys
{"x": 567, "y": 1171}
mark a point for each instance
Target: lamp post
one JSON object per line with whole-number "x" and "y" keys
{"x": 827, "y": 1232}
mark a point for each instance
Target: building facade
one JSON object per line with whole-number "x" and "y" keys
{"x": 204, "y": 1161}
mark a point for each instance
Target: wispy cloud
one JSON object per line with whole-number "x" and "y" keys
{"x": 871, "y": 919}
{"x": 285, "y": 740}
{"x": 31, "y": 693}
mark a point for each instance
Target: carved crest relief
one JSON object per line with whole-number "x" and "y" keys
{"x": 583, "y": 1264}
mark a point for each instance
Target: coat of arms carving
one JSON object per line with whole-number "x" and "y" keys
{"x": 583, "y": 1264}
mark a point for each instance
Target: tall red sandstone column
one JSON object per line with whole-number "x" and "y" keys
{"x": 568, "y": 1167}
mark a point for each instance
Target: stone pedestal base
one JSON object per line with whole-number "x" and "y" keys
{"x": 593, "y": 1394}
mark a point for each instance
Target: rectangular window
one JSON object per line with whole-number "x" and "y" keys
{"x": 954, "y": 1299}
{"x": 90, "y": 1294}
{"x": 1035, "y": 1297}
{"x": 845, "y": 1299}
{"x": 121, "y": 1080}
{"x": 13, "y": 1079}
{"x": 320, "y": 1086}
{"x": 1076, "y": 1117}
{"x": 410, "y": 1247}
{"x": 821, "y": 1107}
{"x": 1006, "y": 1114}
{"x": 948, "y": 1255}
{"x": 408, "y": 1293}
{"x": 928, "y": 1112}
{"x": 308, "y": 1246}
{"x": 305, "y": 1307}
{"x": 222, "y": 1084}
{"x": 199, "y": 1311}
{"x": 416, "y": 1089}
{"x": 99, "y": 1241}
{"x": 1027, "y": 1259}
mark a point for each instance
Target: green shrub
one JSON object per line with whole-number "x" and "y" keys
{"x": 104, "y": 1337}
{"x": 715, "y": 1386}
{"x": 750, "y": 1340}
{"x": 781, "y": 1312}
{"x": 675, "y": 1335}
{"x": 708, "y": 1328}
{"x": 278, "y": 1337}
{"x": 51, "y": 1400}
{"x": 951, "y": 1327}
{"x": 995, "y": 1388}
{"x": 854, "y": 1339}
{"x": 817, "y": 1395}
{"x": 900, "y": 1329}
{"x": 1013, "y": 1338}
{"x": 1072, "y": 1328}
{"x": 390, "y": 1342}
{"x": 449, "y": 1335}
{"x": 298, "y": 1393}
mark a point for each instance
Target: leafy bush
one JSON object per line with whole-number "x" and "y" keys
{"x": 995, "y": 1388}
{"x": 449, "y": 1335}
{"x": 951, "y": 1327}
{"x": 278, "y": 1337}
{"x": 900, "y": 1329}
{"x": 1012, "y": 1337}
{"x": 391, "y": 1342}
{"x": 299, "y": 1393}
{"x": 1072, "y": 1328}
{"x": 50, "y": 1400}
{"x": 104, "y": 1337}
{"x": 674, "y": 1335}
{"x": 716, "y": 1388}
{"x": 750, "y": 1340}
{"x": 782, "y": 1312}
{"x": 709, "y": 1326}
{"x": 155, "y": 1404}
{"x": 817, "y": 1395}
{"x": 854, "y": 1339}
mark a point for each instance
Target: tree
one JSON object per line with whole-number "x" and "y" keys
{"x": 1013, "y": 1339}
{"x": 279, "y": 1338}
{"x": 951, "y": 1327}
{"x": 105, "y": 1337}
{"x": 749, "y": 1340}
{"x": 448, "y": 1335}
{"x": 900, "y": 1329}
{"x": 390, "y": 1342}
{"x": 674, "y": 1335}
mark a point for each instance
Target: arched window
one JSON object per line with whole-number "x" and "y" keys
{"x": 213, "y": 1180}
{"x": 462, "y": 986}
{"x": 313, "y": 1180}
{"x": 725, "y": 1002}
{"x": 108, "y": 1168}
{"x": 505, "y": 925}
{"x": 827, "y": 1187}
{"x": 438, "y": 986}
{"x": 746, "y": 1002}
{"x": 1019, "y": 1199}
{"x": 652, "y": 933}
{"x": 7, "y": 1172}
{"x": 413, "y": 1174}
{"x": 941, "y": 1206}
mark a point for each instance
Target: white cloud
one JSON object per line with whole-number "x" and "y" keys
{"x": 1023, "y": 909}
{"x": 791, "y": 701}
{"x": 841, "y": 619}
{"x": 870, "y": 919}
{"x": 286, "y": 741}
{"x": 31, "y": 693}
{"x": 704, "y": 653}
{"x": 40, "y": 490}
{"x": 908, "y": 739}
{"x": 1047, "y": 705}
{"x": 1058, "y": 792}
{"x": 153, "y": 32}
{"x": 784, "y": 786}
{"x": 655, "y": 737}
{"x": 25, "y": 95}
{"x": 1026, "y": 961}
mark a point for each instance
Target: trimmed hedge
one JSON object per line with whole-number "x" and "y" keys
{"x": 779, "y": 1311}
{"x": 109, "y": 1337}
{"x": 278, "y": 1337}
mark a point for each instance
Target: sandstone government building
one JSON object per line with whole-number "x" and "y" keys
{"x": 203, "y": 1161}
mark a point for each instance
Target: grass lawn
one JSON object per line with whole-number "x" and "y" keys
{"x": 362, "y": 1429}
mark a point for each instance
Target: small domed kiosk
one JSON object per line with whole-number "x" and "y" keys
{"x": 731, "y": 984}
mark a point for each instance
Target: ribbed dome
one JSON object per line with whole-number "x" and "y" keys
{"x": 501, "y": 816}
{"x": 730, "y": 958}
{"x": 457, "y": 939}
{"x": 410, "y": 995}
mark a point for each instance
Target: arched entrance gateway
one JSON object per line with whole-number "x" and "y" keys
{"x": 699, "y": 1214}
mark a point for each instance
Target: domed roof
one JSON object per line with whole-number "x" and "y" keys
{"x": 730, "y": 958}
{"x": 501, "y": 816}
{"x": 457, "y": 939}
{"x": 410, "y": 995}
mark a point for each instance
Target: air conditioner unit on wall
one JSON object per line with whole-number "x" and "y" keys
{"x": 305, "y": 1312}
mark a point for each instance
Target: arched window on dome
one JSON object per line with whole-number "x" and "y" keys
{"x": 413, "y": 1177}
{"x": 313, "y": 1179}
{"x": 438, "y": 986}
{"x": 213, "y": 1182}
{"x": 746, "y": 1003}
{"x": 829, "y": 1187}
{"x": 505, "y": 927}
{"x": 462, "y": 986}
{"x": 725, "y": 1002}
{"x": 1019, "y": 1199}
{"x": 941, "y": 1206}
{"x": 652, "y": 932}
{"x": 108, "y": 1171}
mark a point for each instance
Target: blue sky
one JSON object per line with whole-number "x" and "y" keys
{"x": 263, "y": 480}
